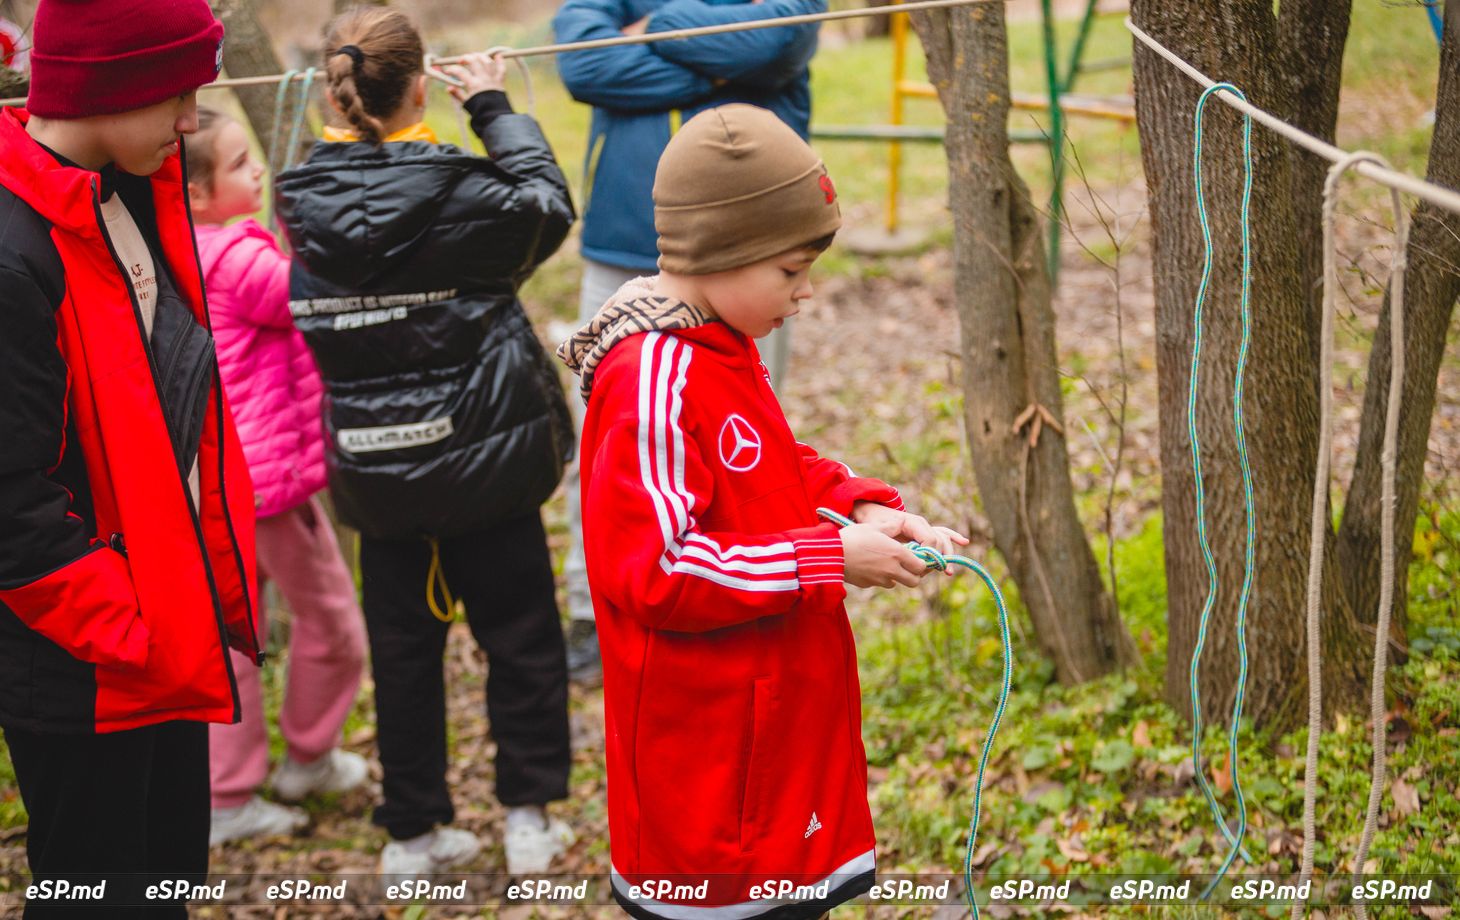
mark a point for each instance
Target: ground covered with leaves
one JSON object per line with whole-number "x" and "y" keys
{"x": 1095, "y": 779}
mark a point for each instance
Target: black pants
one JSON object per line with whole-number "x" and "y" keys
{"x": 504, "y": 577}
{"x": 130, "y": 807}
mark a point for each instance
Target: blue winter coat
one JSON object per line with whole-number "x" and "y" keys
{"x": 641, "y": 93}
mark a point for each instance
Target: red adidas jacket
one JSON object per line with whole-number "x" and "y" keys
{"x": 733, "y": 709}
{"x": 133, "y": 595}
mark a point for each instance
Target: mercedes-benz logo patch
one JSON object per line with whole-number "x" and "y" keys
{"x": 739, "y": 445}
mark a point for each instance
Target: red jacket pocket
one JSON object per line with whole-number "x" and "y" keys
{"x": 88, "y": 607}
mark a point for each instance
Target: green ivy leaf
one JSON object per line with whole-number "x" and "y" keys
{"x": 1114, "y": 757}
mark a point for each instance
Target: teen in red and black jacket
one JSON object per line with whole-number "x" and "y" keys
{"x": 126, "y": 521}
{"x": 118, "y": 597}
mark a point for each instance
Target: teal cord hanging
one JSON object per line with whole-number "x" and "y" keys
{"x": 301, "y": 111}
{"x": 936, "y": 560}
{"x": 280, "y": 96}
{"x": 1234, "y": 840}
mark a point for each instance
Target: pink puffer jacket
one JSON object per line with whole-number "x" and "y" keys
{"x": 268, "y": 372}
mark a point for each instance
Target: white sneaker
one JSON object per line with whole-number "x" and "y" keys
{"x": 254, "y": 818}
{"x": 337, "y": 771}
{"x": 434, "y": 851}
{"x": 533, "y": 840}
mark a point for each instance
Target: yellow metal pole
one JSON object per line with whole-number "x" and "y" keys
{"x": 894, "y": 149}
{"x": 1113, "y": 109}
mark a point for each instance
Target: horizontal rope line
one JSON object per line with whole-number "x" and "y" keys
{"x": 1435, "y": 194}
{"x": 637, "y": 39}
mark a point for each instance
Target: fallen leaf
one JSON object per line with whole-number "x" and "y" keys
{"x": 1021, "y": 779}
{"x": 1072, "y": 849}
{"x": 1184, "y": 773}
{"x": 1140, "y": 736}
{"x": 1406, "y": 798}
{"x": 983, "y": 853}
{"x": 1222, "y": 776}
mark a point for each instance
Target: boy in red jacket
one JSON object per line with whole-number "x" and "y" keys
{"x": 733, "y": 711}
{"x": 126, "y": 512}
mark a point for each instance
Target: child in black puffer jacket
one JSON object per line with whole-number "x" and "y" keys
{"x": 446, "y": 425}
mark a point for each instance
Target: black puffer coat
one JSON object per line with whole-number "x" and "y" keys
{"x": 442, "y": 412}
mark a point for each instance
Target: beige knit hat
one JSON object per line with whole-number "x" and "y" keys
{"x": 737, "y": 185}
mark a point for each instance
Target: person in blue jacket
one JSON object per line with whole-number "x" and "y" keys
{"x": 640, "y": 95}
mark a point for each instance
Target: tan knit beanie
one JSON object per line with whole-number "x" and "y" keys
{"x": 737, "y": 185}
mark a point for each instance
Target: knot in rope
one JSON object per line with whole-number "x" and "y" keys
{"x": 929, "y": 556}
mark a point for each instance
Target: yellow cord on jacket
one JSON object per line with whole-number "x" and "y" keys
{"x": 436, "y": 575}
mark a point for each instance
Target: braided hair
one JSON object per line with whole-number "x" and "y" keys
{"x": 372, "y": 54}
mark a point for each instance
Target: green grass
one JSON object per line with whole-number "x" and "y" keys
{"x": 1093, "y": 768}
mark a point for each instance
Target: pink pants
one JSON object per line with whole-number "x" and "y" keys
{"x": 298, "y": 550}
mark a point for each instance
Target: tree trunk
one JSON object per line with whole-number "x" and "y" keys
{"x": 1313, "y": 33}
{"x": 248, "y": 52}
{"x": 1239, "y": 41}
{"x": 876, "y": 26}
{"x": 1008, "y": 344}
{"x": 1431, "y": 287}
{"x": 13, "y": 84}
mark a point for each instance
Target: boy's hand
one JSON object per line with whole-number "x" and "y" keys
{"x": 477, "y": 73}
{"x": 636, "y": 28}
{"x": 872, "y": 559}
{"x": 900, "y": 525}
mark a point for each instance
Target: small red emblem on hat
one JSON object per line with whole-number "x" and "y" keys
{"x": 827, "y": 187}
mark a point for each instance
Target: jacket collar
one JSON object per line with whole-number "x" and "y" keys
{"x": 420, "y": 131}
{"x": 60, "y": 191}
{"x": 638, "y": 308}
{"x": 65, "y": 195}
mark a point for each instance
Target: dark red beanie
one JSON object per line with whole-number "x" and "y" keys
{"x": 97, "y": 57}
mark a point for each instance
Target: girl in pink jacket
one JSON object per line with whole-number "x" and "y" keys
{"x": 274, "y": 389}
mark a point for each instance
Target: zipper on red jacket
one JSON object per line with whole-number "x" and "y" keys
{"x": 182, "y": 477}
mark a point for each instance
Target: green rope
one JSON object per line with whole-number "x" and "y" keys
{"x": 276, "y": 129}
{"x": 1234, "y": 840}
{"x": 277, "y": 126}
{"x": 936, "y": 560}
{"x": 301, "y": 110}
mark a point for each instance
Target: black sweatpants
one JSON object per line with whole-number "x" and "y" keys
{"x": 504, "y": 577}
{"x": 130, "y": 806}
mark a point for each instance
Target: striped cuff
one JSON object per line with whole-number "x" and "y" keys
{"x": 819, "y": 558}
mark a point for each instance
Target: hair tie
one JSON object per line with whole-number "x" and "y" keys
{"x": 354, "y": 52}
